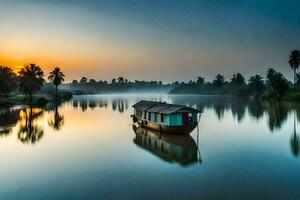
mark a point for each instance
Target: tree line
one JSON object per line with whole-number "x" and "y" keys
{"x": 29, "y": 80}
{"x": 275, "y": 85}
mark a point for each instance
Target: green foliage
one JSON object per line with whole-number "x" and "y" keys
{"x": 238, "y": 79}
{"x": 56, "y": 76}
{"x": 200, "y": 80}
{"x": 277, "y": 83}
{"x": 31, "y": 79}
{"x": 8, "y": 80}
{"x": 294, "y": 61}
{"x": 256, "y": 85}
{"x": 219, "y": 80}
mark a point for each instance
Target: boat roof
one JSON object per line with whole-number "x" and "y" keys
{"x": 162, "y": 107}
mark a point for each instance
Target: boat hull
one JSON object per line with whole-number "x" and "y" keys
{"x": 187, "y": 129}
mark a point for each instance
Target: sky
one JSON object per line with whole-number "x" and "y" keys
{"x": 149, "y": 39}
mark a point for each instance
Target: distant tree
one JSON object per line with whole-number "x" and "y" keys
{"x": 8, "y": 80}
{"x": 256, "y": 84}
{"x": 92, "y": 81}
{"x": 238, "y": 79}
{"x": 219, "y": 81}
{"x": 277, "y": 82}
{"x": 191, "y": 82}
{"x": 74, "y": 82}
{"x": 56, "y": 76}
{"x": 31, "y": 79}
{"x": 294, "y": 62}
{"x": 113, "y": 81}
{"x": 121, "y": 80}
{"x": 83, "y": 80}
{"x": 200, "y": 80}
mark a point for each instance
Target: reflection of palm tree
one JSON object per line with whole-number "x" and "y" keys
{"x": 295, "y": 141}
{"x": 219, "y": 109}
{"x": 57, "y": 121}
{"x": 277, "y": 113}
{"x": 255, "y": 108}
{"x": 30, "y": 132}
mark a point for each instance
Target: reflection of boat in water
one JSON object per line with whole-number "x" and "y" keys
{"x": 178, "y": 148}
{"x": 166, "y": 117}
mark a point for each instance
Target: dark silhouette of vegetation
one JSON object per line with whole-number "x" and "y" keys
{"x": 31, "y": 79}
{"x": 83, "y": 80}
{"x": 29, "y": 131}
{"x": 238, "y": 79}
{"x": 57, "y": 120}
{"x": 8, "y": 81}
{"x": 56, "y": 76}
{"x": 8, "y": 119}
{"x": 295, "y": 141}
{"x": 219, "y": 81}
{"x": 277, "y": 83}
{"x": 200, "y": 81}
{"x": 256, "y": 85}
{"x": 294, "y": 62}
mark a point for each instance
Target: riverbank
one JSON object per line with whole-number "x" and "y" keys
{"x": 38, "y": 99}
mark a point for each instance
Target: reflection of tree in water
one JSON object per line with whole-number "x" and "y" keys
{"x": 102, "y": 104}
{"x": 295, "y": 140}
{"x": 29, "y": 131}
{"x": 75, "y": 103}
{"x": 120, "y": 104}
{"x": 277, "y": 113}
{"x": 219, "y": 109}
{"x": 255, "y": 108}
{"x": 83, "y": 105}
{"x": 238, "y": 108}
{"x": 8, "y": 119}
{"x": 56, "y": 121}
{"x": 92, "y": 105}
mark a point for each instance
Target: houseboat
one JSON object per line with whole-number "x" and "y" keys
{"x": 165, "y": 117}
{"x": 172, "y": 148}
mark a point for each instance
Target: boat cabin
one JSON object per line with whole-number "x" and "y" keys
{"x": 165, "y": 114}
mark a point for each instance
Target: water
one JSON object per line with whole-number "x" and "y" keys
{"x": 87, "y": 149}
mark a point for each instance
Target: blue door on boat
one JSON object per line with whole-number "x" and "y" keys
{"x": 185, "y": 117}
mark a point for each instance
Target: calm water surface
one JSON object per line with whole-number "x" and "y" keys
{"x": 88, "y": 148}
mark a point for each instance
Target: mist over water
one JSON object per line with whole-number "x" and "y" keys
{"x": 89, "y": 148}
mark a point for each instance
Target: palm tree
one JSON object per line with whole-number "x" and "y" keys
{"x": 294, "y": 61}
{"x": 256, "y": 84}
{"x": 31, "y": 79}
{"x": 56, "y": 76}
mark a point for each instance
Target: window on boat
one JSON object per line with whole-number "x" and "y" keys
{"x": 162, "y": 117}
{"x": 149, "y": 115}
{"x": 155, "y": 117}
{"x": 145, "y": 114}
